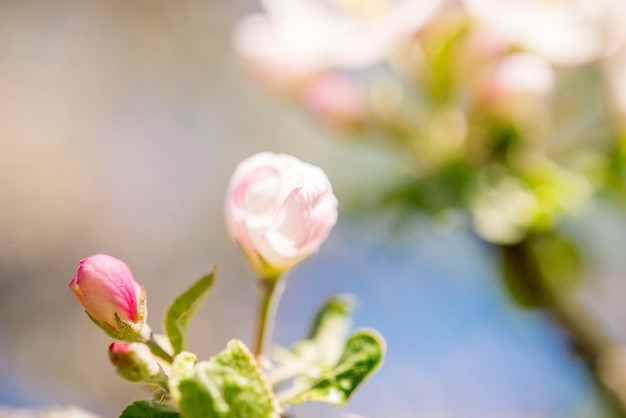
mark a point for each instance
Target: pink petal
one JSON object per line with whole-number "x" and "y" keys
{"x": 301, "y": 225}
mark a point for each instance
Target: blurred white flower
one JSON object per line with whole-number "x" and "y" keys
{"x": 504, "y": 209}
{"x": 318, "y": 34}
{"x": 522, "y": 72}
{"x": 502, "y": 213}
{"x": 266, "y": 53}
{"x": 566, "y": 32}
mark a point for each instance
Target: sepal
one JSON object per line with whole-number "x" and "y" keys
{"x": 125, "y": 330}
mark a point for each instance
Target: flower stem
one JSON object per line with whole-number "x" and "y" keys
{"x": 154, "y": 345}
{"x": 269, "y": 294}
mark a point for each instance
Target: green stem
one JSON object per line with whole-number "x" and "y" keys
{"x": 269, "y": 294}
{"x": 157, "y": 349}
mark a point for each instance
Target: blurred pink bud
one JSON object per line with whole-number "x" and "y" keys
{"x": 135, "y": 362}
{"x": 107, "y": 290}
{"x": 336, "y": 101}
{"x": 279, "y": 210}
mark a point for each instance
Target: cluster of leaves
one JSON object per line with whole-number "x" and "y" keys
{"x": 324, "y": 367}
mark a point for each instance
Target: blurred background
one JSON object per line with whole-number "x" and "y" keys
{"x": 120, "y": 125}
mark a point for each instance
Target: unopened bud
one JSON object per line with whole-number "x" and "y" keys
{"x": 135, "y": 362}
{"x": 279, "y": 210}
{"x": 111, "y": 297}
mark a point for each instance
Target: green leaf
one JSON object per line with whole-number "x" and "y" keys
{"x": 147, "y": 409}
{"x": 323, "y": 345}
{"x": 182, "y": 308}
{"x": 227, "y": 386}
{"x": 328, "y": 332}
{"x": 332, "y": 320}
{"x": 363, "y": 354}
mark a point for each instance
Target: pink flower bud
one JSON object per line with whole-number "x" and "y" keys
{"x": 135, "y": 362}
{"x": 107, "y": 290}
{"x": 336, "y": 101}
{"x": 279, "y": 210}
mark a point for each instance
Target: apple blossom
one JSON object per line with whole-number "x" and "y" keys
{"x": 258, "y": 43}
{"x": 279, "y": 210}
{"x": 110, "y": 295}
{"x": 319, "y": 35}
{"x": 566, "y": 32}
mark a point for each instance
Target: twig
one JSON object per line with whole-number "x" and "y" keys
{"x": 589, "y": 338}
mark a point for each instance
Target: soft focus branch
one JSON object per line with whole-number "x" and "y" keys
{"x": 603, "y": 354}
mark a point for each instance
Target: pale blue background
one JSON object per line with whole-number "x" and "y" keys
{"x": 120, "y": 124}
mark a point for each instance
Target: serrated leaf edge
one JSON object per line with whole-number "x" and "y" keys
{"x": 266, "y": 385}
